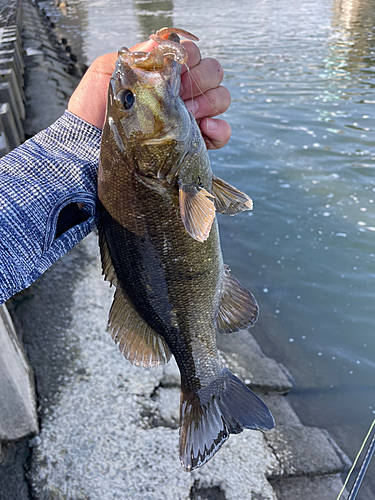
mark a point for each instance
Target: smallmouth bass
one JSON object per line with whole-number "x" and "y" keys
{"x": 160, "y": 247}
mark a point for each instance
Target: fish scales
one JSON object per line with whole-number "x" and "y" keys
{"x": 176, "y": 293}
{"x": 160, "y": 247}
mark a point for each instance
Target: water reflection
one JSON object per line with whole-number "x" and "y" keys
{"x": 352, "y": 41}
{"x": 355, "y": 20}
{"x": 153, "y": 15}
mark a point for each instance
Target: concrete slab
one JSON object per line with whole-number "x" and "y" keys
{"x": 243, "y": 356}
{"x": 17, "y": 396}
{"x": 10, "y": 63}
{"x": 13, "y": 483}
{"x": 4, "y": 144}
{"x": 304, "y": 451}
{"x": 48, "y": 85}
{"x": 8, "y": 75}
{"x": 9, "y": 124}
{"x": 7, "y": 95}
{"x": 311, "y": 488}
{"x": 283, "y": 413}
{"x": 167, "y": 410}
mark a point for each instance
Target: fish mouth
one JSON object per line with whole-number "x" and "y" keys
{"x": 170, "y": 135}
{"x": 178, "y": 133}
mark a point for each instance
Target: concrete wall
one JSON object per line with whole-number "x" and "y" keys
{"x": 12, "y": 95}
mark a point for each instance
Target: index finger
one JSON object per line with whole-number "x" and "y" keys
{"x": 143, "y": 46}
{"x": 194, "y": 55}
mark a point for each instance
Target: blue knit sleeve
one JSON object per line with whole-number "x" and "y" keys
{"x": 55, "y": 168}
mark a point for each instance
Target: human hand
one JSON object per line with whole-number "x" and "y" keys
{"x": 89, "y": 100}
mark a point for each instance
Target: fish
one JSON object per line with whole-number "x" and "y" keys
{"x": 160, "y": 247}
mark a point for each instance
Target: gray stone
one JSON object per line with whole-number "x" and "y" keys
{"x": 311, "y": 488}
{"x": 13, "y": 40}
{"x": 304, "y": 451}
{"x": 17, "y": 397}
{"x": 168, "y": 406}
{"x": 13, "y": 45}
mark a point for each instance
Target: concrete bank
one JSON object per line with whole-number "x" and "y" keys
{"x": 109, "y": 429}
{"x": 12, "y": 96}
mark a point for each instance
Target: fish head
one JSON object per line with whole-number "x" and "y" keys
{"x": 146, "y": 118}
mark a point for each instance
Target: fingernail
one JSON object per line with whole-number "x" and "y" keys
{"x": 193, "y": 107}
{"x": 211, "y": 124}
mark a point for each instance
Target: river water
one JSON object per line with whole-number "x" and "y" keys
{"x": 302, "y": 78}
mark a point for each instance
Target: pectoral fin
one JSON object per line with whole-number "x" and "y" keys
{"x": 228, "y": 199}
{"x": 197, "y": 210}
{"x": 139, "y": 343}
{"x": 238, "y": 308}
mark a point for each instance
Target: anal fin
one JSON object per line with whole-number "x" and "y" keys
{"x": 238, "y": 308}
{"x": 228, "y": 199}
{"x": 197, "y": 210}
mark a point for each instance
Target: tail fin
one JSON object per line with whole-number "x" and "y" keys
{"x": 226, "y": 406}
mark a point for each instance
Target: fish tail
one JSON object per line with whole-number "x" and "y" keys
{"x": 207, "y": 418}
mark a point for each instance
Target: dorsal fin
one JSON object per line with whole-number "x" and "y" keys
{"x": 228, "y": 199}
{"x": 138, "y": 342}
{"x": 238, "y": 308}
{"x": 197, "y": 210}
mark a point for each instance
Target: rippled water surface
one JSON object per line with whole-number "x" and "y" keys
{"x": 302, "y": 78}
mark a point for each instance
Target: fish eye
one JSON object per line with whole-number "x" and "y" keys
{"x": 127, "y": 98}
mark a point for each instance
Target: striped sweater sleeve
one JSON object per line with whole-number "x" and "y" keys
{"x": 55, "y": 168}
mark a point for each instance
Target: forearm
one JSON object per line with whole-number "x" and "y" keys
{"x": 52, "y": 170}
